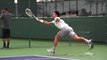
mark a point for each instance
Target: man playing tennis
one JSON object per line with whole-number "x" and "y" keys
{"x": 64, "y": 29}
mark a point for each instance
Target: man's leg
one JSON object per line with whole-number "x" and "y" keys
{"x": 8, "y": 37}
{"x": 8, "y": 42}
{"x": 54, "y": 44}
{"x": 56, "y": 41}
{"x": 4, "y": 43}
{"x": 76, "y": 37}
{"x": 4, "y": 38}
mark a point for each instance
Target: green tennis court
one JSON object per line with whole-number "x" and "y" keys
{"x": 77, "y": 51}
{"x": 30, "y": 39}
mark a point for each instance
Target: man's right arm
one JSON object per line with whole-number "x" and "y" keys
{"x": 45, "y": 22}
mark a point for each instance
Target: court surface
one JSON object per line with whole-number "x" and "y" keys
{"x": 32, "y": 58}
{"x": 19, "y": 50}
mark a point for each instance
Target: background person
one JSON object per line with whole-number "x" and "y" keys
{"x": 5, "y": 27}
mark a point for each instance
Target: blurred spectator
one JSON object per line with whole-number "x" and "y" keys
{"x": 90, "y": 13}
{"x": 74, "y": 13}
{"x": 83, "y": 12}
{"x": 5, "y": 26}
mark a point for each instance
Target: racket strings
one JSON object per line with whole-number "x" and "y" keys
{"x": 29, "y": 13}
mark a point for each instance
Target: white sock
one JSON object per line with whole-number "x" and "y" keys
{"x": 88, "y": 41}
{"x": 53, "y": 48}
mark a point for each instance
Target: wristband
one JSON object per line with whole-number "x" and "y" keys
{"x": 41, "y": 21}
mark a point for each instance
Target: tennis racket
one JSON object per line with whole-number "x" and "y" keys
{"x": 30, "y": 14}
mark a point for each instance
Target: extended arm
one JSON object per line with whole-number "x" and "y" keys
{"x": 43, "y": 21}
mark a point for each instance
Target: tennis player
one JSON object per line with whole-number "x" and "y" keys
{"x": 64, "y": 29}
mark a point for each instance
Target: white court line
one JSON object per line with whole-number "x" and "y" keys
{"x": 39, "y": 56}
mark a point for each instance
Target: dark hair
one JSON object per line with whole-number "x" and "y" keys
{"x": 57, "y": 13}
{"x": 6, "y": 9}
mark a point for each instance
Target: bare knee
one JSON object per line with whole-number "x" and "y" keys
{"x": 77, "y": 38}
{"x": 57, "y": 37}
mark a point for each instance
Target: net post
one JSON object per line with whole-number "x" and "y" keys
{"x": 70, "y": 42}
{"x": 29, "y": 42}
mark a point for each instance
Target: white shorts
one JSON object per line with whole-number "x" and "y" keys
{"x": 65, "y": 31}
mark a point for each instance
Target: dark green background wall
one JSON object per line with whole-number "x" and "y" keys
{"x": 90, "y": 27}
{"x": 22, "y": 5}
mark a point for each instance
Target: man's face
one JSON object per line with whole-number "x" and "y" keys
{"x": 54, "y": 14}
{"x": 2, "y": 11}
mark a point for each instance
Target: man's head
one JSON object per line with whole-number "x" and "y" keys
{"x": 4, "y": 10}
{"x": 55, "y": 14}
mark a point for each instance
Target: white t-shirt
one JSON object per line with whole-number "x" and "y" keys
{"x": 60, "y": 23}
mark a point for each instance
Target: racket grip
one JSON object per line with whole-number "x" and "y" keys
{"x": 37, "y": 19}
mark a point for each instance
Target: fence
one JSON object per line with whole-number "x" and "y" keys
{"x": 89, "y": 27}
{"x": 72, "y": 7}
{"x": 66, "y": 8}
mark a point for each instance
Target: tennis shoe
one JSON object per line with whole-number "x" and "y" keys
{"x": 91, "y": 45}
{"x": 51, "y": 51}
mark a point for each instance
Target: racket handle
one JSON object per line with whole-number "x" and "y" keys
{"x": 37, "y": 19}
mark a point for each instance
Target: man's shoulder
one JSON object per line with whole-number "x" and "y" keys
{"x": 57, "y": 18}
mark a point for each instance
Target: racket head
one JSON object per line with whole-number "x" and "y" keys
{"x": 29, "y": 12}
